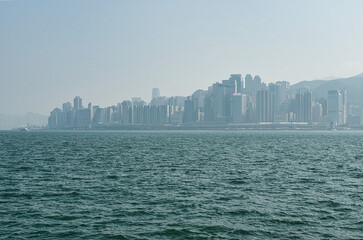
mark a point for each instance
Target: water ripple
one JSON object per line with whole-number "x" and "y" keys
{"x": 181, "y": 185}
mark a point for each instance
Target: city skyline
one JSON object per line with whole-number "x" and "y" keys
{"x": 149, "y": 98}
{"x": 104, "y": 51}
{"x": 162, "y": 119}
{"x": 237, "y": 100}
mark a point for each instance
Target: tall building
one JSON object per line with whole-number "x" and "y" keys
{"x": 257, "y": 81}
{"x": 126, "y": 112}
{"x": 98, "y": 115}
{"x": 221, "y": 102}
{"x": 190, "y": 111}
{"x": 138, "y": 116}
{"x": 265, "y": 102}
{"x": 54, "y": 118}
{"x": 66, "y": 107}
{"x": 159, "y": 101}
{"x": 345, "y": 102}
{"x": 237, "y": 80}
{"x": 77, "y": 103}
{"x": 253, "y": 85}
{"x": 238, "y": 107}
{"x": 353, "y": 115}
{"x": 276, "y": 90}
{"x": 284, "y": 92}
{"x": 303, "y": 107}
{"x": 83, "y": 118}
{"x": 209, "y": 115}
{"x": 337, "y": 107}
{"x": 136, "y": 100}
{"x": 324, "y": 104}
{"x": 284, "y": 85}
{"x": 199, "y": 96}
{"x": 317, "y": 112}
{"x": 248, "y": 82}
{"x": 155, "y": 93}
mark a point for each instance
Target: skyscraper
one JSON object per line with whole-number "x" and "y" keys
{"x": 66, "y": 107}
{"x": 221, "y": 102}
{"x": 308, "y": 107}
{"x": 54, "y": 118}
{"x": 199, "y": 96}
{"x": 209, "y": 115}
{"x": 248, "y": 82}
{"x": 83, "y": 118}
{"x": 284, "y": 85}
{"x": 317, "y": 112}
{"x": 253, "y": 85}
{"x": 190, "y": 111}
{"x": 77, "y": 103}
{"x": 337, "y": 107}
{"x": 155, "y": 93}
{"x": 265, "y": 106}
{"x": 276, "y": 90}
{"x": 303, "y": 107}
{"x": 237, "y": 80}
{"x": 257, "y": 81}
{"x": 238, "y": 107}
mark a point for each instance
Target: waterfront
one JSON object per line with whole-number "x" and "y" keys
{"x": 181, "y": 185}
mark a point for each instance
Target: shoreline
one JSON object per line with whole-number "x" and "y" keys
{"x": 196, "y": 127}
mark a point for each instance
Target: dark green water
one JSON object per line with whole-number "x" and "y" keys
{"x": 181, "y": 185}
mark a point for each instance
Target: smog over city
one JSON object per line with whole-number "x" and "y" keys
{"x": 181, "y": 119}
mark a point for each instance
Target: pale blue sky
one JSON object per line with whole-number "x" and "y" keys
{"x": 109, "y": 51}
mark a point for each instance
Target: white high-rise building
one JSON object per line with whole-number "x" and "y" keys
{"x": 238, "y": 106}
{"x": 337, "y": 107}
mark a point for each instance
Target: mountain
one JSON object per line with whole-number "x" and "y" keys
{"x": 307, "y": 84}
{"x": 359, "y": 75}
{"x": 320, "y": 88}
{"x": 327, "y": 78}
{"x": 9, "y": 121}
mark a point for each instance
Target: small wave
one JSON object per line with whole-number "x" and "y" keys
{"x": 237, "y": 181}
{"x": 172, "y": 233}
{"x": 67, "y": 234}
{"x": 240, "y": 212}
{"x": 63, "y": 217}
{"x": 112, "y": 177}
{"x": 241, "y": 232}
{"x": 114, "y": 236}
{"x": 330, "y": 203}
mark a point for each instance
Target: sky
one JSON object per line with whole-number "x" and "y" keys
{"x": 110, "y": 51}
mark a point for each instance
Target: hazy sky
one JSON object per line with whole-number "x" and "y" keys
{"x": 109, "y": 51}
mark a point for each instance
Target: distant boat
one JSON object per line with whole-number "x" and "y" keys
{"x": 25, "y": 129}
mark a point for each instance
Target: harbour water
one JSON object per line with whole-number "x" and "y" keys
{"x": 181, "y": 185}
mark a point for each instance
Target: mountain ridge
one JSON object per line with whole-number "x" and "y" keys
{"x": 320, "y": 88}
